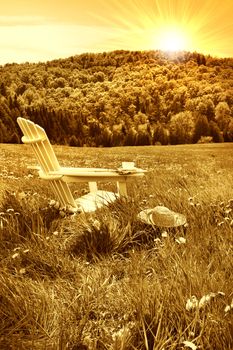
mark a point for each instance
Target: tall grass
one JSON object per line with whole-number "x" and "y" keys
{"x": 106, "y": 280}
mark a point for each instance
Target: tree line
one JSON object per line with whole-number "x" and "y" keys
{"x": 121, "y": 98}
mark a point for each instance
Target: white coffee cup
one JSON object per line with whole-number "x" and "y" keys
{"x": 128, "y": 165}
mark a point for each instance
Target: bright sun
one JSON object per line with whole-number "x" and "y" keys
{"x": 172, "y": 39}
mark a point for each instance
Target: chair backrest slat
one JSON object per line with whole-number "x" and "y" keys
{"x": 37, "y": 137}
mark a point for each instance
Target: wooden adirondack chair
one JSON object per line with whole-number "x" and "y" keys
{"x": 59, "y": 177}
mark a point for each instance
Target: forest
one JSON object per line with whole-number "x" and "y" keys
{"x": 121, "y": 98}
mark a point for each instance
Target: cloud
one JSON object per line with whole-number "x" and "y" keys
{"x": 12, "y": 21}
{"x": 44, "y": 42}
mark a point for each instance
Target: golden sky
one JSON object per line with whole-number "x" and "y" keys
{"x": 41, "y": 30}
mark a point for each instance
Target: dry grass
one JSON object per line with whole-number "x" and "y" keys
{"x": 105, "y": 280}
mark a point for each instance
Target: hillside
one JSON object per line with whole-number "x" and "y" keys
{"x": 121, "y": 98}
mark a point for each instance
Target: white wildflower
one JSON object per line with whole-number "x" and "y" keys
{"x": 192, "y": 303}
{"x": 227, "y": 308}
{"x": 15, "y": 249}
{"x": 181, "y": 240}
{"x": 55, "y": 233}
{"x": 204, "y": 300}
{"x": 189, "y": 344}
{"x": 164, "y": 234}
{"x": 52, "y": 202}
{"x": 221, "y": 223}
{"x": 207, "y": 298}
{"x": 221, "y": 293}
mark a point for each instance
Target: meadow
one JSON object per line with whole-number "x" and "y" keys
{"x": 105, "y": 280}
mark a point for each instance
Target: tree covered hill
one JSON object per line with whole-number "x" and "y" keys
{"x": 121, "y": 98}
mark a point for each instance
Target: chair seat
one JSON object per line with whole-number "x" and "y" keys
{"x": 94, "y": 200}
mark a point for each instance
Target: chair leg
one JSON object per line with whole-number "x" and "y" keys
{"x": 93, "y": 186}
{"x": 122, "y": 189}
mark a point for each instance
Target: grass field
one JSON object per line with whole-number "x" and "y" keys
{"x": 106, "y": 280}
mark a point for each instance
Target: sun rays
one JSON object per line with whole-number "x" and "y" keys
{"x": 169, "y": 25}
{"x": 74, "y": 27}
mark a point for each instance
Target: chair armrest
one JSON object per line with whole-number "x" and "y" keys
{"x": 97, "y": 172}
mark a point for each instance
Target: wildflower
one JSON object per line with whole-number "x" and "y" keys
{"x": 189, "y": 344}
{"x": 22, "y": 271}
{"x": 192, "y": 303}
{"x": 164, "y": 234}
{"x": 52, "y": 202}
{"x": 206, "y": 299}
{"x": 181, "y": 240}
{"x": 228, "y": 211}
{"x": 17, "y": 248}
{"x": 221, "y": 293}
{"x": 229, "y": 307}
{"x": 220, "y": 223}
{"x": 55, "y": 233}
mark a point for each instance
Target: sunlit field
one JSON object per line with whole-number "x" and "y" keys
{"x": 105, "y": 280}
